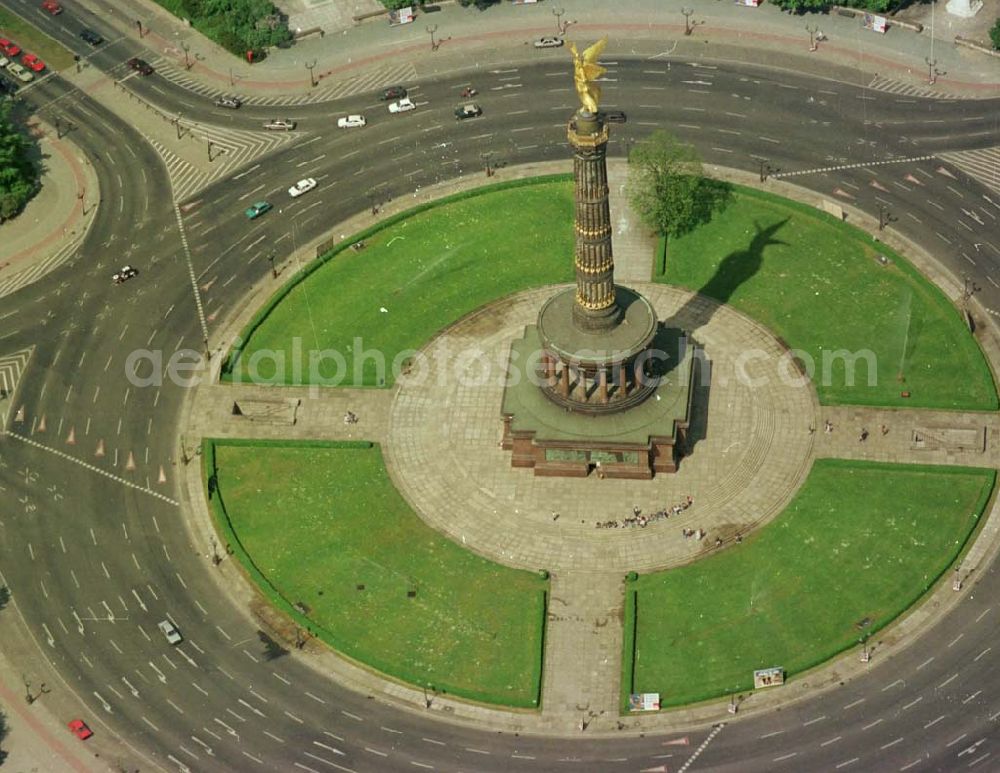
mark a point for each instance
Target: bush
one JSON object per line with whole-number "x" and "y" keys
{"x": 236, "y": 25}
{"x": 995, "y": 35}
{"x": 18, "y": 176}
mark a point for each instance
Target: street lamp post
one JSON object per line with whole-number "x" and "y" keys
{"x": 431, "y": 29}
{"x": 687, "y": 19}
{"x": 138, "y": 23}
{"x": 187, "y": 59}
{"x": 274, "y": 271}
{"x": 812, "y": 29}
{"x": 765, "y": 169}
{"x": 932, "y": 71}
{"x": 312, "y": 78}
{"x": 177, "y": 125}
{"x": 486, "y": 157}
{"x": 558, "y": 12}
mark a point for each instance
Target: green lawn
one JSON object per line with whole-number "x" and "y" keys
{"x": 817, "y": 284}
{"x": 427, "y": 271}
{"x": 858, "y": 541}
{"x": 317, "y": 521}
{"x": 33, "y": 40}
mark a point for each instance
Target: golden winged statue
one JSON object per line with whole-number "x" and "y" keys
{"x": 586, "y": 71}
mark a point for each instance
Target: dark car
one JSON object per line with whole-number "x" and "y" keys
{"x": 468, "y": 110}
{"x": 124, "y": 274}
{"x": 393, "y": 92}
{"x": 89, "y": 36}
{"x": 141, "y": 66}
{"x": 233, "y": 103}
{"x": 615, "y": 116}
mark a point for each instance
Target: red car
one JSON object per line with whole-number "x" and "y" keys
{"x": 52, "y": 7}
{"x": 9, "y": 48}
{"x": 80, "y": 729}
{"x": 32, "y": 62}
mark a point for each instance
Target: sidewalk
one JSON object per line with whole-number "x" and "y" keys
{"x": 502, "y": 34}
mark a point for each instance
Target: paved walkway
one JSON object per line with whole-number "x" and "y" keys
{"x": 583, "y": 647}
{"x": 634, "y": 245}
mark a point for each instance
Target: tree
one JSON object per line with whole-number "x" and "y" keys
{"x": 995, "y": 35}
{"x": 18, "y": 176}
{"x": 666, "y": 187}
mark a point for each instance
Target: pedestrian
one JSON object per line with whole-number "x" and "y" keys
{"x": 636, "y": 510}
{"x": 864, "y": 435}
{"x": 828, "y": 426}
{"x": 884, "y": 429}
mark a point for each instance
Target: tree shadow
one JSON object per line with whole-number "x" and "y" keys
{"x": 735, "y": 269}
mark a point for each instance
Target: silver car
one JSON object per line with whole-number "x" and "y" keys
{"x": 170, "y": 631}
{"x": 279, "y": 124}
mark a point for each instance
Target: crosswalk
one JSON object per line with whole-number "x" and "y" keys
{"x": 230, "y": 149}
{"x": 11, "y": 368}
{"x": 14, "y": 282}
{"x": 359, "y": 83}
{"x": 981, "y": 165}
{"x": 891, "y": 86}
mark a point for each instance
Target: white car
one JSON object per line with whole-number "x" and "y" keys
{"x": 170, "y": 631}
{"x": 22, "y": 74}
{"x": 402, "y": 106}
{"x": 351, "y": 121}
{"x": 302, "y": 186}
{"x": 4, "y": 61}
{"x": 548, "y": 42}
{"x": 280, "y": 124}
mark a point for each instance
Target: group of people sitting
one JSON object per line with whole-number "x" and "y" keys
{"x": 637, "y": 519}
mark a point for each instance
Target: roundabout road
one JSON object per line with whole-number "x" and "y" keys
{"x": 96, "y": 551}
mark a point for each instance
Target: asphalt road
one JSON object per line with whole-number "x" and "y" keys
{"x": 94, "y": 560}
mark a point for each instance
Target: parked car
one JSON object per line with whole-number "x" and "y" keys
{"x": 123, "y": 274}
{"x": 233, "y": 103}
{"x": 302, "y": 186}
{"x": 32, "y": 62}
{"x": 279, "y": 124}
{"x": 80, "y": 729}
{"x": 9, "y": 47}
{"x": 91, "y": 37}
{"x": 548, "y": 42}
{"x": 52, "y": 7}
{"x": 402, "y": 106}
{"x": 351, "y": 122}
{"x": 615, "y": 116}
{"x": 393, "y": 92}
{"x": 20, "y": 73}
{"x": 468, "y": 110}
{"x": 170, "y": 631}
{"x": 4, "y": 61}
{"x": 141, "y": 66}
{"x": 256, "y": 210}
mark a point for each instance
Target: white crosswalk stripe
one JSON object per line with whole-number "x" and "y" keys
{"x": 14, "y": 282}
{"x": 231, "y": 149}
{"x": 11, "y": 367}
{"x": 981, "y": 165}
{"x": 890, "y": 86}
{"x": 355, "y": 84}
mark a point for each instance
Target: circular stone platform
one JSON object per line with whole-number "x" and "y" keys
{"x": 752, "y": 447}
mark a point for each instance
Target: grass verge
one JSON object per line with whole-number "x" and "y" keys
{"x": 859, "y": 544}
{"x": 33, "y": 40}
{"x": 320, "y": 525}
{"x": 819, "y": 285}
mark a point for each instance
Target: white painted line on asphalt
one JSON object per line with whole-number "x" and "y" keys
{"x": 785, "y": 757}
{"x": 934, "y": 721}
{"x": 926, "y": 662}
{"x": 351, "y": 716}
{"x": 891, "y": 743}
{"x": 955, "y": 741}
{"x": 434, "y": 741}
{"x": 845, "y": 763}
{"x": 481, "y": 751}
{"x": 832, "y": 740}
{"x": 914, "y": 702}
{"x": 771, "y": 735}
{"x": 872, "y": 724}
{"x": 280, "y": 677}
{"x": 316, "y": 698}
{"x": 983, "y": 614}
{"x": 376, "y": 751}
{"x": 893, "y": 684}
{"x": 948, "y": 681}
{"x": 814, "y": 721}
{"x": 981, "y": 654}
{"x": 971, "y": 697}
